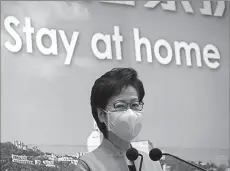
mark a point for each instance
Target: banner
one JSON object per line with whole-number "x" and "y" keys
{"x": 52, "y": 52}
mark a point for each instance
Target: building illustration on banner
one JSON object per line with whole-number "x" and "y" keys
{"x": 94, "y": 139}
{"x": 143, "y": 145}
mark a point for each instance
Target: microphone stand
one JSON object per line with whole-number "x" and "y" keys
{"x": 167, "y": 154}
{"x": 141, "y": 161}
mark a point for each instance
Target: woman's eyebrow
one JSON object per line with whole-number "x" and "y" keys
{"x": 117, "y": 101}
{"x": 126, "y": 101}
{"x": 135, "y": 101}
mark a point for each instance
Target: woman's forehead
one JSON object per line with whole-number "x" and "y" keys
{"x": 127, "y": 94}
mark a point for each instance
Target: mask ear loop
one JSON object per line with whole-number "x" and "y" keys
{"x": 109, "y": 120}
{"x": 107, "y": 124}
{"x": 105, "y": 112}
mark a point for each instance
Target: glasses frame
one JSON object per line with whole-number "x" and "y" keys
{"x": 128, "y": 105}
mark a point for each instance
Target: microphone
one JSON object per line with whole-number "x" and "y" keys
{"x": 155, "y": 154}
{"x": 132, "y": 154}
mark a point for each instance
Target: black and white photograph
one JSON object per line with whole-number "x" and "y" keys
{"x": 115, "y": 85}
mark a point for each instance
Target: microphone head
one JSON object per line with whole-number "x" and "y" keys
{"x": 132, "y": 154}
{"x": 155, "y": 154}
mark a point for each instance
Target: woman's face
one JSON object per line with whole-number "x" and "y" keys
{"x": 121, "y": 115}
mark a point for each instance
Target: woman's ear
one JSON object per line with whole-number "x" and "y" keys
{"x": 101, "y": 115}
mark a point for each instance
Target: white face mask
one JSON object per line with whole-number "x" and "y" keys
{"x": 125, "y": 124}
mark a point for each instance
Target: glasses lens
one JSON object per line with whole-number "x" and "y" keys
{"x": 137, "y": 106}
{"x": 120, "y": 106}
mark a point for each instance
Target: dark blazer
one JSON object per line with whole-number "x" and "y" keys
{"x": 106, "y": 158}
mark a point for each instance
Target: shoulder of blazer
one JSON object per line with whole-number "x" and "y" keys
{"x": 87, "y": 159}
{"x": 82, "y": 166}
{"x": 89, "y": 156}
{"x": 91, "y": 160}
{"x": 86, "y": 156}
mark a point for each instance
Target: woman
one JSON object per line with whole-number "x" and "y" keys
{"x": 117, "y": 107}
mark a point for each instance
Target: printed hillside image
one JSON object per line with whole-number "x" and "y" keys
{"x": 18, "y": 156}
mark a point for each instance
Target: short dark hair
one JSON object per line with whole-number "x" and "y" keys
{"x": 111, "y": 84}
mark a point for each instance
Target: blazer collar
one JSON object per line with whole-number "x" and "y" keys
{"x": 115, "y": 151}
{"x": 111, "y": 148}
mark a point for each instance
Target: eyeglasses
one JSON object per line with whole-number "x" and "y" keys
{"x": 122, "y": 106}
